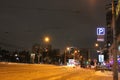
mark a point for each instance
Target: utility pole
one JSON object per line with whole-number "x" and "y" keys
{"x": 65, "y": 58}
{"x": 115, "y": 64}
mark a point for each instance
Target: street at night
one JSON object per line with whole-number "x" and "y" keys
{"x": 59, "y": 39}
{"x": 16, "y": 71}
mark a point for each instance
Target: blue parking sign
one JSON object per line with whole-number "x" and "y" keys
{"x": 100, "y": 31}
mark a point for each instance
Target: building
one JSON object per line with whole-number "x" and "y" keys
{"x": 118, "y": 24}
{"x": 109, "y": 32}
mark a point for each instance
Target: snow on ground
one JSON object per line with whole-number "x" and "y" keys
{"x": 22, "y": 71}
{"x": 104, "y": 73}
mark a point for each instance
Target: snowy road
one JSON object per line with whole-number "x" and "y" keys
{"x": 48, "y": 72}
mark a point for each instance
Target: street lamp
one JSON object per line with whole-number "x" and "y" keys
{"x": 47, "y": 39}
{"x": 96, "y": 44}
{"x": 75, "y": 53}
{"x": 47, "y": 46}
{"x": 66, "y": 50}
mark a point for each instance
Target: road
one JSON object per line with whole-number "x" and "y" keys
{"x": 14, "y": 71}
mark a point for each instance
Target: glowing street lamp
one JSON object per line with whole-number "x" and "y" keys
{"x": 68, "y": 48}
{"x": 47, "y": 39}
{"x": 75, "y": 52}
{"x": 96, "y": 45}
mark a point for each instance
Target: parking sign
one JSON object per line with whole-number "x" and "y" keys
{"x": 100, "y": 31}
{"x": 100, "y": 34}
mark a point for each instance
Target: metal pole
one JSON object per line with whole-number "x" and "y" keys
{"x": 115, "y": 65}
{"x": 65, "y": 58}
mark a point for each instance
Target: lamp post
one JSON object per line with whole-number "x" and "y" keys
{"x": 65, "y": 57}
{"x": 75, "y": 53}
{"x": 66, "y": 50}
{"x": 47, "y": 41}
{"x": 46, "y": 48}
{"x": 115, "y": 65}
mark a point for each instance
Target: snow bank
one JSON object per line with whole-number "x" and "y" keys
{"x": 105, "y": 73}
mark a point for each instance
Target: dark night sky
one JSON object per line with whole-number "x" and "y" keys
{"x": 67, "y": 22}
